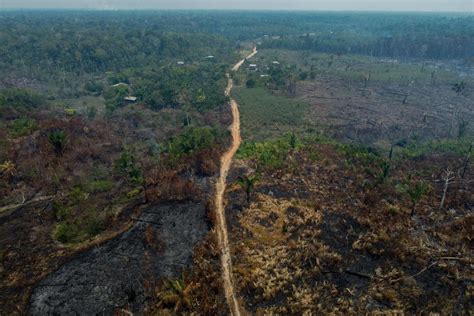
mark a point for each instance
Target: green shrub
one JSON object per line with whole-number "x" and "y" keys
{"x": 23, "y": 126}
{"x": 135, "y": 192}
{"x": 118, "y": 78}
{"x": 193, "y": 139}
{"x": 101, "y": 186}
{"x": 94, "y": 226}
{"x": 20, "y": 98}
{"x": 77, "y": 195}
{"x": 70, "y": 111}
{"x": 58, "y": 140}
{"x": 91, "y": 112}
{"x": 367, "y": 156}
{"x": 126, "y": 164}
{"x": 66, "y": 232}
{"x": 415, "y": 191}
{"x": 94, "y": 87}
{"x": 455, "y": 146}
{"x": 270, "y": 154}
{"x": 115, "y": 98}
{"x": 251, "y": 83}
{"x": 61, "y": 211}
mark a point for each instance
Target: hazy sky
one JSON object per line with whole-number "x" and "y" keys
{"x": 377, "y": 5}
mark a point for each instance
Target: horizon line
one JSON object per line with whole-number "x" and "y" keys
{"x": 233, "y": 10}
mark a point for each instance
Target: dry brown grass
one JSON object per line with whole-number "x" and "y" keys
{"x": 311, "y": 242}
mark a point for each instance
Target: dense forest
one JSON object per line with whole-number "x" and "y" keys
{"x": 93, "y": 41}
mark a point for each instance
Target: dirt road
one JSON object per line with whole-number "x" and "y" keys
{"x": 237, "y": 66}
{"x": 226, "y": 160}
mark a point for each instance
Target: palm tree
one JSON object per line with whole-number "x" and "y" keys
{"x": 177, "y": 294}
{"x": 247, "y": 183}
{"x": 8, "y": 169}
{"x": 58, "y": 139}
{"x": 416, "y": 192}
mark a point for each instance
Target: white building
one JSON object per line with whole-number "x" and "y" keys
{"x": 130, "y": 98}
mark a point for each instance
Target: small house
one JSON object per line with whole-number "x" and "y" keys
{"x": 130, "y": 99}
{"x": 275, "y": 62}
{"x": 253, "y": 66}
{"x": 120, "y": 84}
{"x": 180, "y": 63}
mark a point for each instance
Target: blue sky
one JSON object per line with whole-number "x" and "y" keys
{"x": 364, "y": 5}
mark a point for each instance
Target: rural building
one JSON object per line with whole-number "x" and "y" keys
{"x": 120, "y": 84}
{"x": 253, "y": 66}
{"x": 130, "y": 99}
{"x": 180, "y": 63}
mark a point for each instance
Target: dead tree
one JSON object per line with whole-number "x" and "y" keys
{"x": 405, "y": 98}
{"x": 447, "y": 180}
{"x": 433, "y": 77}
{"x": 454, "y": 115}
{"x": 466, "y": 163}
{"x": 367, "y": 79}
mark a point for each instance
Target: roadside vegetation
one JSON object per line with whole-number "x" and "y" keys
{"x": 266, "y": 115}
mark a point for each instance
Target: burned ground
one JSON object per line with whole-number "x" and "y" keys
{"x": 123, "y": 271}
{"x": 311, "y": 240}
{"x": 378, "y": 113}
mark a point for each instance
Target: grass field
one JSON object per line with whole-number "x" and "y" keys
{"x": 265, "y": 115}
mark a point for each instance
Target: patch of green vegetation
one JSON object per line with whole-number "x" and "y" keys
{"x": 115, "y": 98}
{"x": 91, "y": 112}
{"x": 194, "y": 139}
{"x": 58, "y": 139}
{"x": 267, "y": 154}
{"x": 415, "y": 190}
{"x": 94, "y": 87}
{"x": 18, "y": 98}
{"x": 117, "y": 78}
{"x": 70, "y": 111}
{"x": 69, "y": 232}
{"x": 453, "y": 146}
{"x": 22, "y": 126}
{"x": 265, "y": 115}
{"x": 61, "y": 210}
{"x": 101, "y": 186}
{"x": 133, "y": 193}
{"x": 360, "y": 154}
{"x": 76, "y": 221}
{"x": 126, "y": 164}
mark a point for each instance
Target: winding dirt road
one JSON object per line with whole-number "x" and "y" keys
{"x": 226, "y": 160}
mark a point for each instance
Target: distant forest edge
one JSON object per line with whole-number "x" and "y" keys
{"x": 85, "y": 41}
{"x": 93, "y": 42}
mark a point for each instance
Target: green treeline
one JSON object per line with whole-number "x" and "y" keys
{"x": 84, "y": 41}
{"x": 46, "y": 43}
